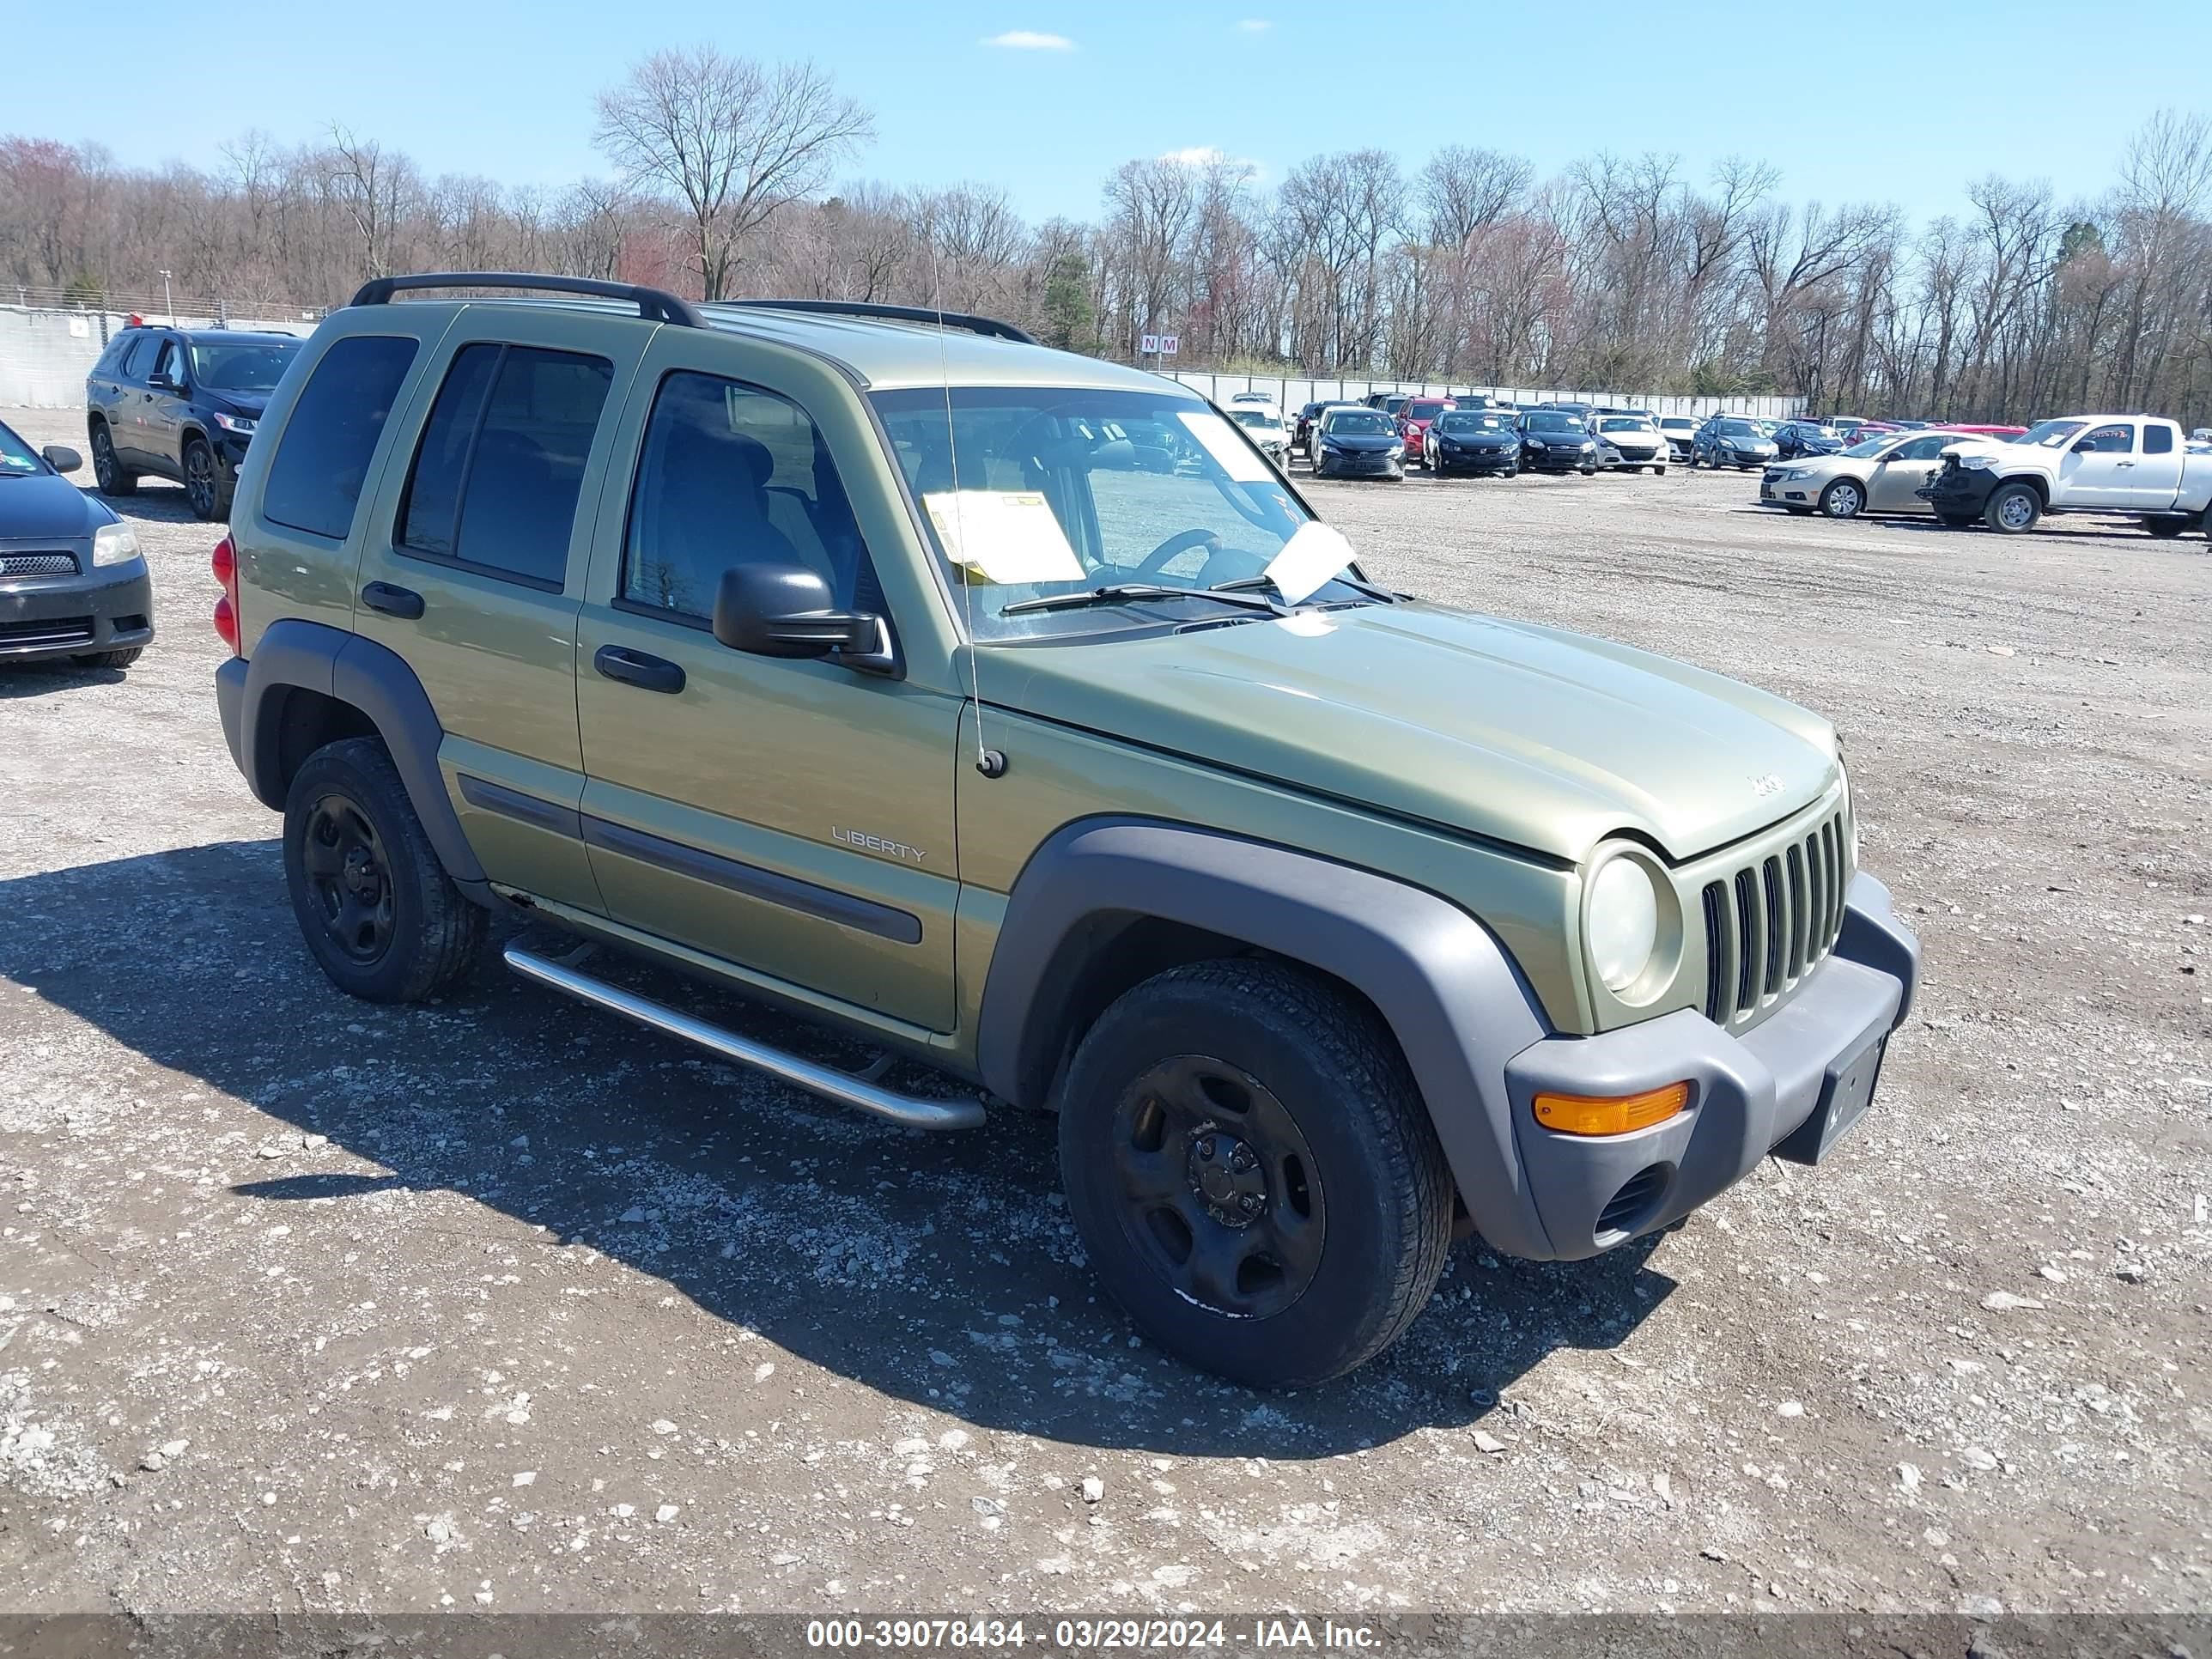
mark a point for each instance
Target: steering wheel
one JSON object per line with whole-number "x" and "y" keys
{"x": 1181, "y": 542}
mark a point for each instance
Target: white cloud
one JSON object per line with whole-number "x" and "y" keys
{"x": 1255, "y": 25}
{"x": 1030, "y": 40}
{"x": 1212, "y": 156}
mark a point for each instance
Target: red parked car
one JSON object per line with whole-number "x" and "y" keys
{"x": 1981, "y": 431}
{"x": 1413, "y": 419}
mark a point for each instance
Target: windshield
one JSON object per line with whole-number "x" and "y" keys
{"x": 244, "y": 366}
{"x": 17, "y": 456}
{"x": 1679, "y": 423}
{"x": 1628, "y": 424}
{"x": 1423, "y": 409}
{"x": 1867, "y": 448}
{"x": 1546, "y": 419}
{"x": 1051, "y": 491}
{"x": 1738, "y": 430}
{"x": 1373, "y": 421}
{"x": 2050, "y": 434}
{"x": 1394, "y": 403}
{"x": 1453, "y": 420}
{"x": 1245, "y": 415}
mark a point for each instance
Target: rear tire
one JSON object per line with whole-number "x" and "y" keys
{"x": 1252, "y": 1172}
{"x": 2013, "y": 509}
{"x": 106, "y": 470}
{"x": 2165, "y": 528}
{"x": 122, "y": 659}
{"x": 378, "y": 911}
{"x": 1957, "y": 521}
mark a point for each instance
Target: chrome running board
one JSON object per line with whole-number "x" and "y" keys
{"x": 850, "y": 1089}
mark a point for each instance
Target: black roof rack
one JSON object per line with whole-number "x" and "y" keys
{"x": 974, "y": 324}
{"x": 653, "y": 304}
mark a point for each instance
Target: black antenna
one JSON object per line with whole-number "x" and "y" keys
{"x": 989, "y": 762}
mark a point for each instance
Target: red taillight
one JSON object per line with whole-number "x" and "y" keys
{"x": 224, "y": 562}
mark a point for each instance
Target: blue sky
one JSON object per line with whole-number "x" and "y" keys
{"x": 1853, "y": 99}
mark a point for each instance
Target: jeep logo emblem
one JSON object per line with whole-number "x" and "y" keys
{"x": 1765, "y": 784}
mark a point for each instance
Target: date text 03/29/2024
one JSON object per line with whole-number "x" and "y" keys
{"x": 1090, "y": 1635}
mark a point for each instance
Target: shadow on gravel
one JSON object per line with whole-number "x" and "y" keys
{"x": 938, "y": 1269}
{"x": 44, "y": 678}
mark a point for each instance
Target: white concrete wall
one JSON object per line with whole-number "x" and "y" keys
{"x": 45, "y": 355}
{"x": 1292, "y": 392}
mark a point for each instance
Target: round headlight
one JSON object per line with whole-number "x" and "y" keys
{"x": 1621, "y": 922}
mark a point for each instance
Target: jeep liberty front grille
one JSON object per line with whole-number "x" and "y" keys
{"x": 1773, "y": 921}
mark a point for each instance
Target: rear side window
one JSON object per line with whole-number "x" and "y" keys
{"x": 501, "y": 460}
{"x": 2158, "y": 439}
{"x": 323, "y": 453}
{"x": 136, "y": 357}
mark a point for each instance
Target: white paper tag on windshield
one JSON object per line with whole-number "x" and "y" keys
{"x": 1003, "y": 535}
{"x": 1237, "y": 458}
{"x": 1309, "y": 558}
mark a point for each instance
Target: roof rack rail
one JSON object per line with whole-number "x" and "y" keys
{"x": 653, "y": 304}
{"x": 974, "y": 324}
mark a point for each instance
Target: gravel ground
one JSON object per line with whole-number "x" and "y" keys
{"x": 307, "y": 1305}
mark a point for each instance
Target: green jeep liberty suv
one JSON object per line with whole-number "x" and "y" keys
{"x": 1011, "y": 709}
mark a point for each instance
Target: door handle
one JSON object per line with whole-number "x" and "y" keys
{"x": 402, "y": 602}
{"x": 635, "y": 668}
{"x": 2119, "y": 463}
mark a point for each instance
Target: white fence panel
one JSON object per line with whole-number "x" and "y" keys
{"x": 45, "y": 354}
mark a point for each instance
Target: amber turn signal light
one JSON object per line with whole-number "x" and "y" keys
{"x": 1610, "y": 1115}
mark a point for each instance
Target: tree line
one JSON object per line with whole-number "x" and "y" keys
{"x": 1622, "y": 272}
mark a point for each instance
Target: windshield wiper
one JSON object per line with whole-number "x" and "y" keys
{"x": 1118, "y": 593}
{"x": 1247, "y": 584}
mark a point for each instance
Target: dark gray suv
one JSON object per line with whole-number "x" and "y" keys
{"x": 181, "y": 404}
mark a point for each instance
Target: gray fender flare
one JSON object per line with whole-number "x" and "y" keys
{"x": 1448, "y": 989}
{"x": 374, "y": 679}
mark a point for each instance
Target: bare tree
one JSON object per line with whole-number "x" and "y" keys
{"x": 733, "y": 139}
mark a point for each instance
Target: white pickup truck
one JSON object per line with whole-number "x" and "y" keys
{"x": 2138, "y": 466}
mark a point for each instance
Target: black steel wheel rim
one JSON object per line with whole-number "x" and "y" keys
{"x": 103, "y": 458}
{"x": 1219, "y": 1193}
{"x": 349, "y": 879}
{"x": 199, "y": 479}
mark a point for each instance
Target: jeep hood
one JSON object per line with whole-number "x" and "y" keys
{"x": 1529, "y": 736}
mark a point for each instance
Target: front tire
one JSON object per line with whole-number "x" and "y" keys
{"x": 2013, "y": 509}
{"x": 2165, "y": 529}
{"x": 1842, "y": 499}
{"x": 106, "y": 470}
{"x": 122, "y": 659}
{"x": 378, "y": 911}
{"x": 1252, "y": 1172}
{"x": 1658, "y": 471}
{"x": 205, "y": 487}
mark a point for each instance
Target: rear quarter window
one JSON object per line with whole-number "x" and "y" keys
{"x": 323, "y": 453}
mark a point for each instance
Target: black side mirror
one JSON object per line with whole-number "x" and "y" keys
{"x": 787, "y": 610}
{"x": 161, "y": 383}
{"x": 61, "y": 458}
